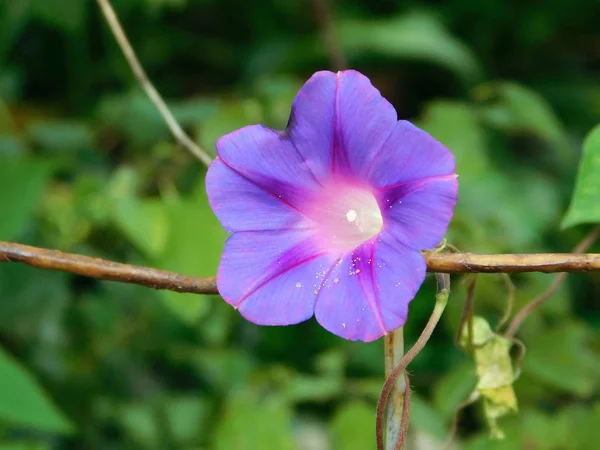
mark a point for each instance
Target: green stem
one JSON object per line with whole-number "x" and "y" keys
{"x": 390, "y": 387}
{"x": 394, "y": 352}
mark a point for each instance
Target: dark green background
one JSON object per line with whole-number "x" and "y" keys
{"x": 88, "y": 166}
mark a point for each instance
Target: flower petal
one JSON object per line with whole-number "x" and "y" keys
{"x": 367, "y": 293}
{"x": 338, "y": 122}
{"x": 417, "y": 213}
{"x": 272, "y": 277}
{"x": 312, "y": 122}
{"x": 365, "y": 120}
{"x": 409, "y": 154}
{"x": 241, "y": 205}
{"x": 269, "y": 159}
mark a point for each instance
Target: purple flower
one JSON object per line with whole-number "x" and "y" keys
{"x": 329, "y": 217}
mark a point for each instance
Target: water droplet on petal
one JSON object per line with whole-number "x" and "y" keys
{"x": 298, "y": 285}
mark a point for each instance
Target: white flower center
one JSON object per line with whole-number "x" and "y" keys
{"x": 347, "y": 216}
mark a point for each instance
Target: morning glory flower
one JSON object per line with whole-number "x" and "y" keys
{"x": 329, "y": 217}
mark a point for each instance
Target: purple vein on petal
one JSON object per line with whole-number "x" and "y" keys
{"x": 377, "y": 155}
{"x": 377, "y": 307}
{"x": 336, "y": 108}
{"x": 326, "y": 277}
{"x": 263, "y": 188}
{"x": 276, "y": 275}
{"x": 285, "y": 135}
{"x": 420, "y": 182}
{"x": 261, "y": 230}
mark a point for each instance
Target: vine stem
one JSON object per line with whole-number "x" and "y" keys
{"x": 105, "y": 270}
{"x": 390, "y": 387}
{"x": 160, "y": 279}
{"x": 515, "y": 324}
{"x": 142, "y": 78}
{"x": 393, "y": 344}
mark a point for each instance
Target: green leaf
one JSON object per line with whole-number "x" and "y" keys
{"x": 30, "y": 298}
{"x": 23, "y": 446}
{"x": 24, "y": 403}
{"x": 416, "y": 36}
{"x": 426, "y": 419}
{"x": 22, "y": 182}
{"x": 229, "y": 117}
{"x": 533, "y": 203}
{"x": 183, "y": 418}
{"x": 7, "y": 124}
{"x": 224, "y": 369}
{"x": 144, "y": 222}
{"x": 539, "y": 429}
{"x": 194, "y": 246}
{"x": 488, "y": 443}
{"x": 585, "y": 202}
{"x": 187, "y": 418}
{"x": 573, "y": 427}
{"x": 353, "y": 427}
{"x": 276, "y": 93}
{"x": 519, "y": 109}
{"x": 457, "y": 126}
{"x": 13, "y": 18}
{"x": 139, "y": 420}
{"x": 251, "y": 423}
{"x": 66, "y": 15}
{"x": 61, "y": 135}
{"x": 307, "y": 388}
{"x": 134, "y": 115}
{"x": 454, "y": 388}
{"x": 580, "y": 426}
{"x": 562, "y": 358}
{"x": 178, "y": 234}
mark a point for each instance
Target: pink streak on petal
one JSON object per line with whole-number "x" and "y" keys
{"x": 398, "y": 272}
{"x": 260, "y": 271}
{"x": 409, "y": 154}
{"x": 418, "y": 183}
{"x": 346, "y": 304}
{"x": 367, "y": 293}
{"x": 312, "y": 123}
{"x": 288, "y": 298}
{"x": 270, "y": 160}
{"x": 364, "y": 120}
{"x": 418, "y": 214}
{"x": 241, "y": 205}
{"x": 338, "y": 123}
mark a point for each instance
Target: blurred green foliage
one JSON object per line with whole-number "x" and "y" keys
{"x": 87, "y": 165}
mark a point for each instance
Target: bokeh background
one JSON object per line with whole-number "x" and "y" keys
{"x": 88, "y": 166}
